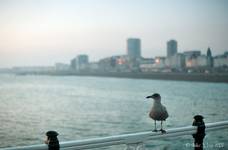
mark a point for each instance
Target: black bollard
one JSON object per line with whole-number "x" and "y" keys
{"x": 52, "y": 140}
{"x": 200, "y": 134}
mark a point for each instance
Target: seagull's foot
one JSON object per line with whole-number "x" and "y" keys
{"x": 155, "y": 130}
{"x": 162, "y": 131}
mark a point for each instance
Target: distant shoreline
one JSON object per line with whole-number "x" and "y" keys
{"x": 166, "y": 76}
{"x": 202, "y": 77}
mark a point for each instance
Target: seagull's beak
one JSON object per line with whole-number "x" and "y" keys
{"x": 149, "y": 97}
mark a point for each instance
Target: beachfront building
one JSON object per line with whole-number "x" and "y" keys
{"x": 120, "y": 63}
{"x": 134, "y": 53}
{"x": 192, "y": 53}
{"x": 191, "y": 58}
{"x": 146, "y": 64}
{"x": 80, "y": 63}
{"x": 202, "y": 61}
{"x": 160, "y": 62}
{"x": 171, "y": 48}
{"x": 62, "y": 67}
{"x": 221, "y": 60}
{"x": 209, "y": 58}
{"x": 134, "y": 48}
{"x": 176, "y": 61}
{"x": 93, "y": 67}
{"x": 73, "y": 64}
{"x": 196, "y": 61}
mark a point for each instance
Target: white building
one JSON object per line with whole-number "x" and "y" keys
{"x": 93, "y": 66}
{"x": 176, "y": 61}
{"x": 62, "y": 67}
{"x": 202, "y": 61}
{"x": 160, "y": 62}
{"x": 196, "y": 61}
{"x": 147, "y": 68}
{"x": 120, "y": 63}
{"x": 221, "y": 61}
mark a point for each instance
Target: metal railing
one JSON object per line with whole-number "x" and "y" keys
{"x": 133, "y": 141}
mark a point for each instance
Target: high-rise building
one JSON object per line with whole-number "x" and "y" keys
{"x": 73, "y": 64}
{"x": 134, "y": 48}
{"x": 209, "y": 52}
{"x": 80, "y": 62}
{"x": 171, "y": 48}
{"x": 82, "y": 59}
{"x": 209, "y": 58}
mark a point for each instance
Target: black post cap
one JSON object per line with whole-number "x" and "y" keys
{"x": 198, "y": 118}
{"x": 52, "y": 134}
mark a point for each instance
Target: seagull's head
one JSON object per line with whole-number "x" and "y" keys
{"x": 155, "y": 96}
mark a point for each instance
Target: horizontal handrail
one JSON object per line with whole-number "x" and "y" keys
{"x": 132, "y": 138}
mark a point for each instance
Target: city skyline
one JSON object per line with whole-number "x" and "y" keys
{"x": 45, "y": 32}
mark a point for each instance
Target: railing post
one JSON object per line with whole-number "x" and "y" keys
{"x": 200, "y": 134}
{"x": 52, "y": 140}
{"x": 135, "y": 146}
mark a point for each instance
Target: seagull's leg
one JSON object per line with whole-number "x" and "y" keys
{"x": 155, "y": 128}
{"x": 162, "y": 130}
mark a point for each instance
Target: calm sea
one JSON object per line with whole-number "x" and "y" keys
{"x": 86, "y": 107}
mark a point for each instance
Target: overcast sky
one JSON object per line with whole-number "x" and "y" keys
{"x": 42, "y": 32}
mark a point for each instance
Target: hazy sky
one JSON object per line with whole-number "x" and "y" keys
{"x": 42, "y": 32}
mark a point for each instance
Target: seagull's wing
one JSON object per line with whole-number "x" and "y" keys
{"x": 164, "y": 113}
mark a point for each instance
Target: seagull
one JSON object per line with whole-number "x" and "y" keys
{"x": 158, "y": 111}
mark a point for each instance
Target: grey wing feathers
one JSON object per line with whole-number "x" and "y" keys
{"x": 165, "y": 113}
